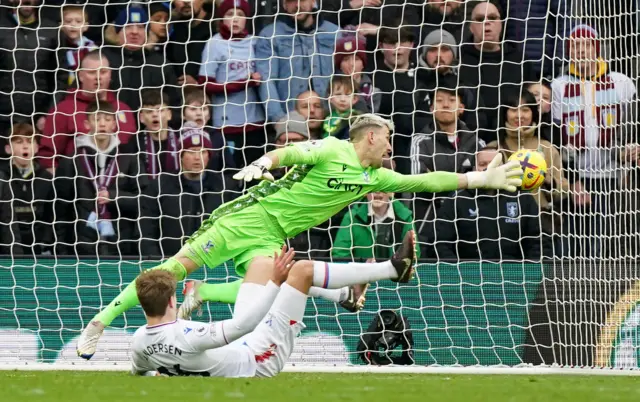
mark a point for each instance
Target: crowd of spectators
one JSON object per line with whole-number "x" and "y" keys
{"x": 123, "y": 121}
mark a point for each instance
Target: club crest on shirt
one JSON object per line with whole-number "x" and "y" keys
{"x": 122, "y": 117}
{"x": 512, "y": 212}
{"x": 366, "y": 177}
{"x": 201, "y": 331}
{"x": 207, "y": 247}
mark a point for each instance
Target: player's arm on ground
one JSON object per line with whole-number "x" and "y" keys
{"x": 221, "y": 333}
{"x": 497, "y": 176}
{"x": 300, "y": 153}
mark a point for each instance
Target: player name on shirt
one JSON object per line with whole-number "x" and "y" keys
{"x": 162, "y": 348}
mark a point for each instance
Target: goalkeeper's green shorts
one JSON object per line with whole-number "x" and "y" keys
{"x": 239, "y": 236}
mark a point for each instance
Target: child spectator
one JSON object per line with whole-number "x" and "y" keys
{"x": 374, "y": 228}
{"x": 179, "y": 203}
{"x": 351, "y": 60}
{"x": 228, "y": 72}
{"x": 32, "y": 195}
{"x": 196, "y": 108}
{"x": 73, "y": 44}
{"x": 101, "y": 187}
{"x": 342, "y": 99}
{"x": 157, "y": 144}
{"x": 519, "y": 119}
{"x": 197, "y": 111}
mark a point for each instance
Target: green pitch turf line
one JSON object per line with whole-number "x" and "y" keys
{"x": 70, "y": 386}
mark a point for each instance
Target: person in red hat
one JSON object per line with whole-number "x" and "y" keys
{"x": 593, "y": 106}
{"x": 176, "y": 204}
{"x": 351, "y": 59}
{"x": 228, "y": 73}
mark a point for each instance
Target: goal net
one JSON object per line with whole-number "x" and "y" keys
{"x": 123, "y": 123}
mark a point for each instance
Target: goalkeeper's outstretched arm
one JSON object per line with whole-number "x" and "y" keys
{"x": 497, "y": 176}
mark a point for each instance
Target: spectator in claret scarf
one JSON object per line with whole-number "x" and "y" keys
{"x": 157, "y": 144}
{"x": 67, "y": 118}
{"x": 73, "y": 44}
{"x": 228, "y": 72}
{"x": 293, "y": 54}
{"x": 596, "y": 108}
{"x": 98, "y": 188}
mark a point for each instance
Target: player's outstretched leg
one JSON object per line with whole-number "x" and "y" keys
{"x": 180, "y": 266}
{"x": 343, "y": 280}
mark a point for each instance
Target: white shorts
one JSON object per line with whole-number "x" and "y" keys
{"x": 272, "y": 342}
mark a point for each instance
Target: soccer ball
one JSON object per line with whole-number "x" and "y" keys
{"x": 534, "y": 166}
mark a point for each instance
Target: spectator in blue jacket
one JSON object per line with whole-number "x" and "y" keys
{"x": 293, "y": 55}
{"x": 541, "y": 26}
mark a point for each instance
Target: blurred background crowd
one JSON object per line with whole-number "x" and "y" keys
{"x": 122, "y": 122}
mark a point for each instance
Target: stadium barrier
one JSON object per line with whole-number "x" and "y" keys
{"x": 482, "y": 316}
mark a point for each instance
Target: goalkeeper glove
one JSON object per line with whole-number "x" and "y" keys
{"x": 497, "y": 176}
{"x": 258, "y": 170}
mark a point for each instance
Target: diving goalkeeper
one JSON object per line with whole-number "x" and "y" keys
{"x": 325, "y": 177}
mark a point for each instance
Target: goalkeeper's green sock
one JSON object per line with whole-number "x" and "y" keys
{"x": 128, "y": 297}
{"x": 220, "y": 292}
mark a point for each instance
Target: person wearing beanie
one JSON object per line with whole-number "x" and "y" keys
{"x": 291, "y": 129}
{"x": 229, "y": 76}
{"x": 131, "y": 25}
{"x": 593, "y": 107}
{"x": 174, "y": 205}
{"x": 438, "y": 62}
{"x": 351, "y": 59}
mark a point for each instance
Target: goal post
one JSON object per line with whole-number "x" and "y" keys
{"x": 565, "y": 314}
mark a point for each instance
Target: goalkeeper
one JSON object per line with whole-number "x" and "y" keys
{"x": 325, "y": 177}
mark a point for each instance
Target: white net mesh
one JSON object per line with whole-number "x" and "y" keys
{"x": 124, "y": 122}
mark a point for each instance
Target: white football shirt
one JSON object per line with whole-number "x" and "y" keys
{"x": 185, "y": 348}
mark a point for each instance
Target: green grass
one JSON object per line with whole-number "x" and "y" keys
{"x": 68, "y": 386}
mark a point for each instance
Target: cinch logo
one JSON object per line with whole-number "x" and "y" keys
{"x": 619, "y": 342}
{"x": 340, "y": 185}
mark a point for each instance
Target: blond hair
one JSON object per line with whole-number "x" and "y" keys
{"x": 364, "y": 122}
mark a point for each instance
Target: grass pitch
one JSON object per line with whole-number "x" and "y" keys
{"x": 69, "y": 386}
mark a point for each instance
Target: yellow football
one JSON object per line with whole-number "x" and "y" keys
{"x": 534, "y": 167}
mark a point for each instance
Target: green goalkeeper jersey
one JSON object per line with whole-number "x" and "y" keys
{"x": 326, "y": 177}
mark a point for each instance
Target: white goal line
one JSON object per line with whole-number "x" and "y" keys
{"x": 479, "y": 370}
